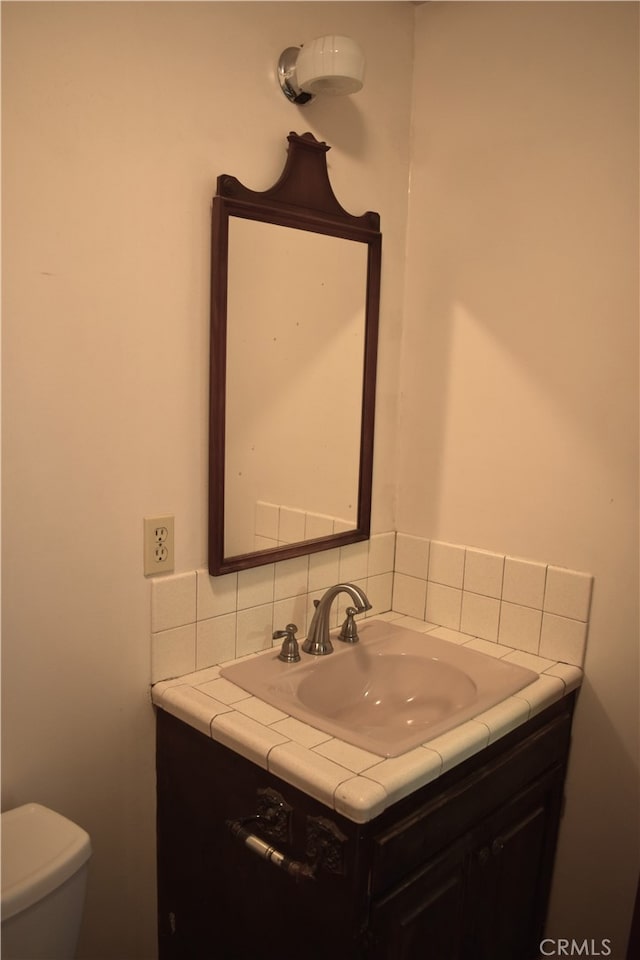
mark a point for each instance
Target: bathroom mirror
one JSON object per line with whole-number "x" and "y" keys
{"x": 294, "y": 329}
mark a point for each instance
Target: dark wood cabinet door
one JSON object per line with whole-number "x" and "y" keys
{"x": 422, "y": 918}
{"x": 510, "y": 872}
{"x": 486, "y": 897}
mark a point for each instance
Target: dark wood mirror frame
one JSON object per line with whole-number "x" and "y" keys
{"x": 303, "y": 199}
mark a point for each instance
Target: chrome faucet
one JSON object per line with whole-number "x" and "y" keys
{"x": 318, "y": 641}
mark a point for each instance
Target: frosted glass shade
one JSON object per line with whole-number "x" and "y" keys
{"x": 330, "y": 65}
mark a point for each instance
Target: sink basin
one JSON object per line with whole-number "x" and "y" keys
{"x": 395, "y": 689}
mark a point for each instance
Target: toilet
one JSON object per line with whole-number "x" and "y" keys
{"x": 45, "y": 860}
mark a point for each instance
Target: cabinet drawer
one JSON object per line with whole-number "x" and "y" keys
{"x": 416, "y": 838}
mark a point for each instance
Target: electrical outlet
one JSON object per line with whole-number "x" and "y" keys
{"x": 158, "y": 545}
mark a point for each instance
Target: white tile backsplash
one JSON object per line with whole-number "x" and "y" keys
{"x": 412, "y": 556}
{"x": 480, "y": 616}
{"x": 254, "y": 629}
{"x": 216, "y": 595}
{"x": 446, "y": 563}
{"x": 409, "y": 595}
{"x": 444, "y": 605}
{"x": 324, "y": 569}
{"x": 568, "y": 593}
{"x": 353, "y": 562}
{"x": 509, "y": 602}
{"x": 292, "y": 577}
{"x": 524, "y": 582}
{"x": 173, "y": 652}
{"x": 292, "y": 610}
{"x": 379, "y": 589}
{"x": 563, "y": 639}
{"x": 173, "y": 602}
{"x": 255, "y": 586}
{"x": 520, "y": 627}
{"x": 483, "y": 573}
{"x": 381, "y": 554}
{"x": 215, "y": 640}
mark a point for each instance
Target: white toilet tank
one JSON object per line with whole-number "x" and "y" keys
{"x": 44, "y": 871}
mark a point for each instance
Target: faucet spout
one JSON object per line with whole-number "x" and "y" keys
{"x": 318, "y": 641}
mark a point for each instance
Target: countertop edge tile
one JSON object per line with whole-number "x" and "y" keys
{"x": 260, "y": 711}
{"x": 245, "y": 736}
{"x": 222, "y": 689}
{"x": 541, "y": 693}
{"x": 194, "y": 679}
{"x": 504, "y": 717}
{"x": 195, "y": 708}
{"x": 354, "y": 759}
{"x": 570, "y": 675}
{"x": 460, "y": 743}
{"x": 309, "y": 771}
{"x": 400, "y": 776}
{"x": 532, "y": 661}
{"x": 300, "y": 732}
{"x": 359, "y": 799}
{"x": 491, "y": 648}
{"x": 159, "y": 688}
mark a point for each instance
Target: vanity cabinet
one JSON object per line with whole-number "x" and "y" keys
{"x": 485, "y": 896}
{"x": 458, "y": 870}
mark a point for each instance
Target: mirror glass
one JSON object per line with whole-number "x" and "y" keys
{"x": 294, "y": 329}
{"x": 294, "y": 385}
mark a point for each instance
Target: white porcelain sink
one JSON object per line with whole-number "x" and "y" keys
{"x": 395, "y": 689}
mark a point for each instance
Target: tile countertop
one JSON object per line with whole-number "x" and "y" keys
{"x": 354, "y": 782}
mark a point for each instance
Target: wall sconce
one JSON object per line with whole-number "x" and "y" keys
{"x": 330, "y": 66}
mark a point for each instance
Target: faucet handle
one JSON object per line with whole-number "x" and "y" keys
{"x": 289, "y": 652}
{"x": 349, "y": 632}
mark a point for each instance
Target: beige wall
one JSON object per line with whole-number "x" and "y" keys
{"x": 519, "y": 415}
{"x": 518, "y": 427}
{"x": 117, "y": 119}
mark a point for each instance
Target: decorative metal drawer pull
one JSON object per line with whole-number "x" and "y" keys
{"x": 295, "y": 868}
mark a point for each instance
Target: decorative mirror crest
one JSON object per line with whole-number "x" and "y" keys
{"x": 294, "y": 330}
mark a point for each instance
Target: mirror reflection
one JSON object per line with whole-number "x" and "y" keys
{"x": 295, "y": 356}
{"x": 295, "y": 294}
